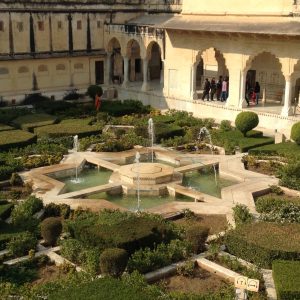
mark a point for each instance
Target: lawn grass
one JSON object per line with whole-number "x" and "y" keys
{"x": 287, "y": 149}
{"x": 68, "y": 127}
{"x": 30, "y": 121}
{"x": 4, "y": 127}
{"x": 15, "y": 138}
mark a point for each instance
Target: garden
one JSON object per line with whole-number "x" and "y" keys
{"x": 115, "y": 250}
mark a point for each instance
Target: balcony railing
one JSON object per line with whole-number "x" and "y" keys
{"x": 132, "y": 29}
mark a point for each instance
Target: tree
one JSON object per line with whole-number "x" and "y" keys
{"x": 51, "y": 229}
{"x": 246, "y": 121}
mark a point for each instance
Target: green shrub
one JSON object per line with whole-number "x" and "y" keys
{"x": 51, "y": 229}
{"x": 286, "y": 213}
{"x": 94, "y": 90}
{"x": 242, "y": 214}
{"x": 57, "y": 210}
{"x": 196, "y": 235}
{"x": 15, "y": 138}
{"x": 113, "y": 261}
{"x": 225, "y": 125}
{"x": 33, "y": 99}
{"x": 15, "y": 180}
{"x": 276, "y": 190}
{"x": 90, "y": 261}
{"x": 290, "y": 175}
{"x": 295, "y": 133}
{"x": 165, "y": 131}
{"x": 147, "y": 260}
{"x": 262, "y": 243}
{"x": 20, "y": 244}
{"x": 70, "y": 249}
{"x": 267, "y": 204}
{"x": 246, "y": 121}
{"x": 28, "y": 122}
{"x": 286, "y": 276}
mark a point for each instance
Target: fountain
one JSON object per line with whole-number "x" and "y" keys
{"x": 151, "y": 137}
{"x": 204, "y": 132}
{"x": 75, "y": 150}
{"x": 137, "y": 160}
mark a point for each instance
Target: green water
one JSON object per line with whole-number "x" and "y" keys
{"x": 205, "y": 182}
{"x": 88, "y": 177}
{"x": 130, "y": 201}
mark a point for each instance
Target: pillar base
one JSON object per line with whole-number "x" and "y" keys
{"x": 145, "y": 86}
{"x": 243, "y": 103}
{"x": 125, "y": 84}
{"x": 287, "y": 111}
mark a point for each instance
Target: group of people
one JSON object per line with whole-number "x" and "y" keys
{"x": 219, "y": 88}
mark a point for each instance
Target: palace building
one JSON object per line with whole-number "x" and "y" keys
{"x": 157, "y": 51}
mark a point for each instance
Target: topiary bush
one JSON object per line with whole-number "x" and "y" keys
{"x": 21, "y": 243}
{"x": 196, "y": 235}
{"x": 246, "y": 121}
{"x": 51, "y": 229}
{"x": 242, "y": 214}
{"x": 113, "y": 261}
{"x": 94, "y": 90}
{"x": 295, "y": 133}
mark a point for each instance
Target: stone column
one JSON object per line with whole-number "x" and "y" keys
{"x": 126, "y": 71}
{"x": 243, "y": 102}
{"x": 108, "y": 68}
{"x": 194, "y": 94}
{"x": 287, "y": 107}
{"x": 145, "y": 85}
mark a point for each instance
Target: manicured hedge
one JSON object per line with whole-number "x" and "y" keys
{"x": 165, "y": 131}
{"x": 262, "y": 243}
{"x": 15, "y": 138}
{"x": 287, "y": 149}
{"x": 286, "y": 276}
{"x": 253, "y": 139}
{"x": 5, "y": 210}
{"x": 4, "y": 127}
{"x": 69, "y": 127}
{"x": 130, "y": 234}
{"x": 118, "y": 108}
{"x": 7, "y": 231}
{"x": 28, "y": 122}
{"x": 295, "y": 133}
{"x": 104, "y": 288}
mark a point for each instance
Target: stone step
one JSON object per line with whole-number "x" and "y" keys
{"x": 179, "y": 189}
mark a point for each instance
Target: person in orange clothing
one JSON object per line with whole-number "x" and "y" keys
{"x": 97, "y": 102}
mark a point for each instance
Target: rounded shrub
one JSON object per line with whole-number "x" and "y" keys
{"x": 295, "y": 133}
{"x": 94, "y": 90}
{"x": 21, "y": 243}
{"x": 113, "y": 261}
{"x": 246, "y": 121}
{"x": 51, "y": 229}
{"x": 196, "y": 235}
{"x": 15, "y": 180}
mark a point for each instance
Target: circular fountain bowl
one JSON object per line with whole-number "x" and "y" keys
{"x": 148, "y": 173}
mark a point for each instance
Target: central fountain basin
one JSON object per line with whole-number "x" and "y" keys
{"x": 146, "y": 173}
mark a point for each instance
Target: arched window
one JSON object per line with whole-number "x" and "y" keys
{"x": 42, "y": 68}
{"x": 78, "y": 66}
{"x": 23, "y": 70}
{"x": 60, "y": 67}
{"x": 4, "y": 71}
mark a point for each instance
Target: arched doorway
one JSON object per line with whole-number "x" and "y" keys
{"x": 155, "y": 62}
{"x": 115, "y": 62}
{"x": 135, "y": 64}
{"x": 209, "y": 64}
{"x": 265, "y": 68}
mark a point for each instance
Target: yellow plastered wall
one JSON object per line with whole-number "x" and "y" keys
{"x": 4, "y": 35}
{"x": 42, "y": 35}
{"x": 60, "y": 36}
{"x": 21, "y": 32}
{"x": 253, "y": 7}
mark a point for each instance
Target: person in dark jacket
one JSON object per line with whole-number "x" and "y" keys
{"x": 213, "y": 88}
{"x": 257, "y": 91}
{"x": 206, "y": 89}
